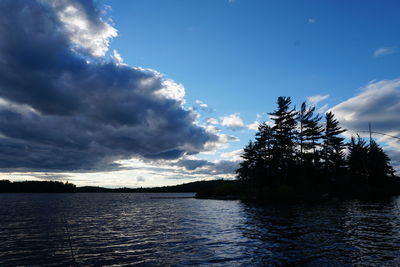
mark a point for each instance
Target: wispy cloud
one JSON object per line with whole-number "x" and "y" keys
{"x": 384, "y": 51}
{"x": 201, "y": 104}
{"x": 212, "y": 121}
{"x": 323, "y": 109}
{"x": 311, "y": 20}
{"x": 315, "y": 99}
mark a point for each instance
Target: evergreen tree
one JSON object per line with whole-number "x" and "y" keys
{"x": 310, "y": 132}
{"x": 247, "y": 167}
{"x": 304, "y": 115}
{"x": 263, "y": 147}
{"x": 357, "y": 157}
{"x": 271, "y": 159}
{"x": 378, "y": 163}
{"x": 368, "y": 162}
{"x": 333, "y": 144}
{"x": 284, "y": 132}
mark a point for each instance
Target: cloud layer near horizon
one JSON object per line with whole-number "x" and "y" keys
{"x": 379, "y": 104}
{"x": 64, "y": 107}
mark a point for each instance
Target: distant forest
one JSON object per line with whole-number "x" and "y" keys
{"x": 7, "y": 186}
{"x": 299, "y": 151}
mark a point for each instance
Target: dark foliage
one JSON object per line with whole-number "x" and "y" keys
{"x": 284, "y": 135}
{"x": 368, "y": 163}
{"x": 297, "y": 157}
{"x": 216, "y": 187}
{"x": 36, "y": 187}
{"x": 333, "y": 155}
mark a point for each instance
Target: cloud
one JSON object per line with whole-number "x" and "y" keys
{"x": 394, "y": 155}
{"x": 63, "y": 106}
{"x": 84, "y": 25}
{"x": 140, "y": 179}
{"x": 311, "y": 20}
{"x": 192, "y": 164}
{"x": 233, "y": 122}
{"x": 384, "y": 51}
{"x": 117, "y": 58}
{"x": 197, "y": 166}
{"x": 315, "y": 99}
{"x": 51, "y": 176}
{"x": 253, "y": 126}
{"x": 212, "y": 121}
{"x": 378, "y": 104}
{"x": 233, "y": 155}
{"x": 323, "y": 109}
{"x": 221, "y": 142}
{"x": 201, "y": 104}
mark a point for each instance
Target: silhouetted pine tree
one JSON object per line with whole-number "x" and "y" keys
{"x": 333, "y": 145}
{"x": 247, "y": 167}
{"x": 369, "y": 163}
{"x": 310, "y": 132}
{"x": 284, "y": 132}
{"x": 263, "y": 147}
{"x": 357, "y": 157}
{"x": 378, "y": 163}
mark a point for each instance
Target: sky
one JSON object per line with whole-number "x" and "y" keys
{"x": 150, "y": 92}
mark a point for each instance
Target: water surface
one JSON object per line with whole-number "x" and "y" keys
{"x": 146, "y": 230}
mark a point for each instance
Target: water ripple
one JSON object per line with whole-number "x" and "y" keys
{"x": 138, "y": 230}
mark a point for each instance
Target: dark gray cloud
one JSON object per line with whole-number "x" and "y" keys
{"x": 64, "y": 107}
{"x": 51, "y": 176}
{"x": 198, "y": 166}
{"x": 192, "y": 164}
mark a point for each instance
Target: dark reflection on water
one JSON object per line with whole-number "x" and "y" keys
{"x": 136, "y": 229}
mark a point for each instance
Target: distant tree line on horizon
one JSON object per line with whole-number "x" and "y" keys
{"x": 297, "y": 149}
{"x": 7, "y": 186}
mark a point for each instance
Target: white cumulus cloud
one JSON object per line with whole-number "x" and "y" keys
{"x": 84, "y": 30}
{"x": 233, "y": 122}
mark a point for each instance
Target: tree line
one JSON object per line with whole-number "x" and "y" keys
{"x": 7, "y": 186}
{"x": 302, "y": 147}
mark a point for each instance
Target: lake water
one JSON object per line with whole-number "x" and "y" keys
{"x": 145, "y": 230}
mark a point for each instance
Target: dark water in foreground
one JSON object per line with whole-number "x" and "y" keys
{"x": 136, "y": 229}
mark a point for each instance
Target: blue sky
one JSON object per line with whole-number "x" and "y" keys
{"x": 232, "y": 58}
{"x": 239, "y": 56}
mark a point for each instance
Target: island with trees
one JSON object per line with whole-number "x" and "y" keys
{"x": 296, "y": 156}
